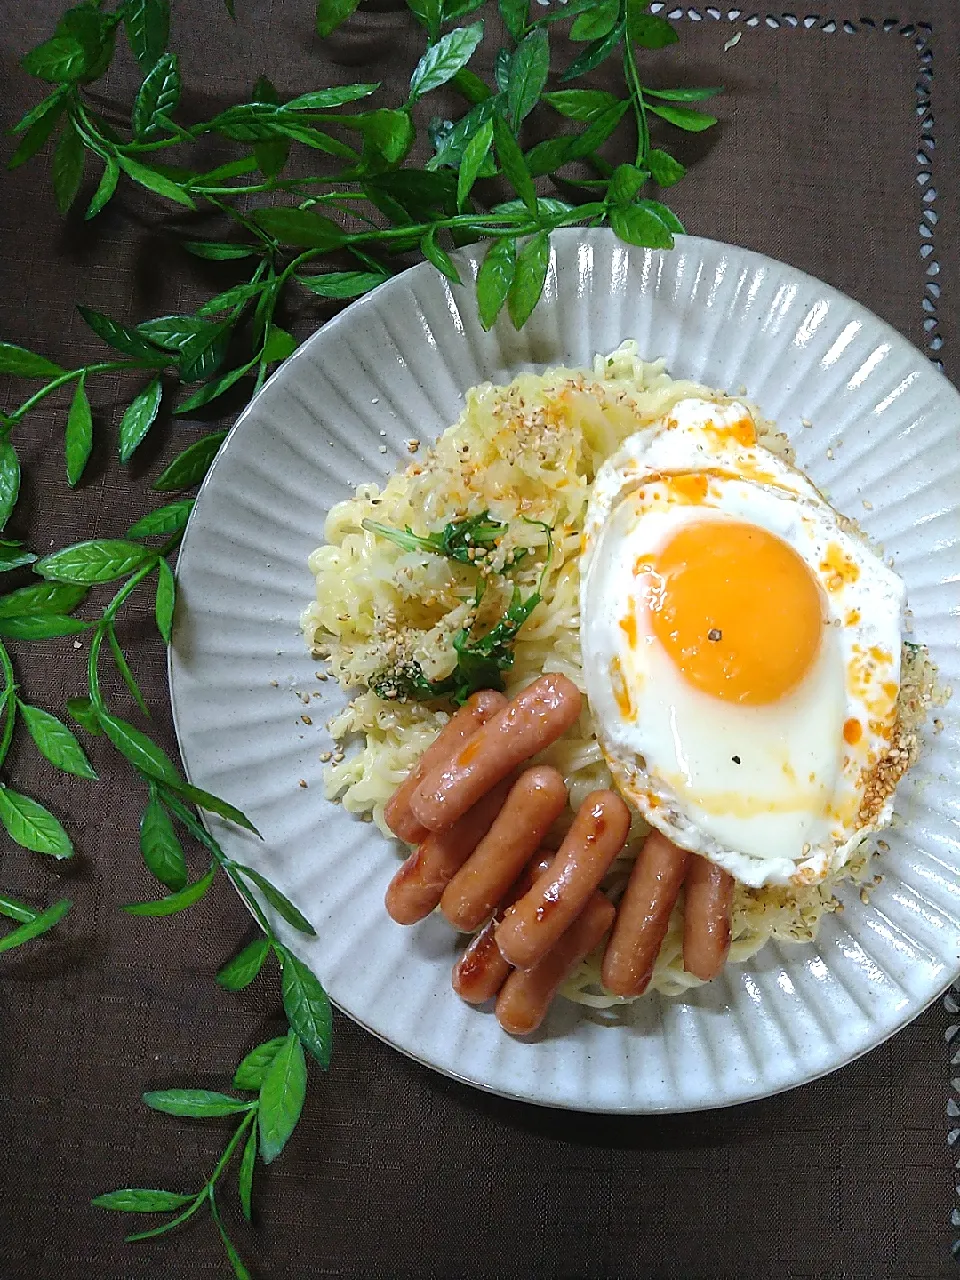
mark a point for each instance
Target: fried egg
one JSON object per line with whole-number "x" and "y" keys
{"x": 741, "y": 649}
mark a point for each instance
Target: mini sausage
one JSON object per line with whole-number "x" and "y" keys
{"x": 534, "y": 924}
{"x": 643, "y": 916}
{"x": 526, "y": 996}
{"x": 531, "y": 721}
{"x": 481, "y": 971}
{"x": 419, "y": 884}
{"x": 707, "y": 909}
{"x": 458, "y": 730}
{"x": 536, "y": 800}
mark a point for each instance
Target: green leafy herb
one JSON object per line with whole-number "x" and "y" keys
{"x": 456, "y": 541}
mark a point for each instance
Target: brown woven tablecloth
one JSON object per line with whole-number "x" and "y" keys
{"x": 824, "y": 160}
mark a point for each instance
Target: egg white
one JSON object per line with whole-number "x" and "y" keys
{"x": 772, "y": 793}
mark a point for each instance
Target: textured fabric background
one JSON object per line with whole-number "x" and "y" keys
{"x": 395, "y": 1172}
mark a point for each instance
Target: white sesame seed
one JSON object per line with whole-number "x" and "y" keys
{"x": 325, "y": 756}
{"x": 830, "y": 454}
{"x": 867, "y": 504}
{"x": 805, "y": 422}
{"x": 383, "y": 448}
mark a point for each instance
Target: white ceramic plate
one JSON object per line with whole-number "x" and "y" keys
{"x": 396, "y": 364}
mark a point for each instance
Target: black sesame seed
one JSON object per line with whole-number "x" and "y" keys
{"x": 735, "y": 759}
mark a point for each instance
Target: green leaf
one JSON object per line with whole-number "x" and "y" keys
{"x": 245, "y": 1176}
{"x": 272, "y": 154}
{"x": 683, "y": 95}
{"x": 43, "y": 627}
{"x": 647, "y": 30}
{"x": 158, "y": 96}
{"x": 597, "y": 21}
{"x": 300, "y": 227}
{"x": 252, "y": 1071}
{"x": 121, "y": 338}
{"x": 390, "y": 132}
{"x": 41, "y": 598}
{"x": 141, "y": 1200}
{"x": 161, "y": 848}
{"x": 154, "y": 181}
{"x": 165, "y": 600}
{"x": 451, "y": 146}
{"x": 42, "y": 109}
{"x": 104, "y": 192}
{"x": 549, "y": 155}
{"x": 165, "y": 520}
{"x": 189, "y": 467}
{"x": 279, "y": 901}
{"x": 9, "y": 480}
{"x": 211, "y": 390}
{"x": 444, "y": 59}
{"x": 14, "y": 910}
{"x": 142, "y": 752}
{"x": 581, "y": 104}
{"x": 100, "y": 560}
{"x": 529, "y": 278}
{"x": 641, "y": 227}
{"x": 176, "y": 901}
{"x": 324, "y": 99}
{"x": 231, "y": 298}
{"x": 513, "y": 165}
{"x": 217, "y": 250}
{"x": 282, "y": 1096}
{"x": 475, "y": 153}
{"x": 14, "y": 556}
{"x": 666, "y": 216}
{"x": 195, "y": 1103}
{"x": 173, "y": 333}
{"x": 148, "y": 29}
{"x": 39, "y": 131}
{"x": 83, "y": 712}
{"x": 307, "y": 1007}
{"x": 494, "y": 279}
{"x": 95, "y": 33}
{"x": 41, "y": 923}
{"x": 279, "y": 344}
{"x": 66, "y": 171}
{"x": 213, "y": 804}
{"x": 138, "y": 418}
{"x": 56, "y": 60}
{"x": 562, "y": 11}
{"x": 664, "y": 170}
{"x": 32, "y": 826}
{"x": 26, "y": 364}
{"x": 342, "y": 284}
{"x": 55, "y": 741}
{"x": 626, "y": 181}
{"x": 594, "y": 54}
{"x": 515, "y": 14}
{"x": 239, "y": 973}
{"x": 527, "y": 75}
{"x": 436, "y": 254}
{"x": 683, "y": 117}
{"x": 330, "y": 14}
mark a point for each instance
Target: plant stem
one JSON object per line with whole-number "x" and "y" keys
{"x": 639, "y": 108}
{"x": 9, "y": 703}
{"x": 106, "y": 366}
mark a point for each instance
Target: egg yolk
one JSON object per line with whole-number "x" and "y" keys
{"x": 736, "y": 609}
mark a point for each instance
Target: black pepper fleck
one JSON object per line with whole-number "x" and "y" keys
{"x": 735, "y": 759}
{"x": 714, "y": 634}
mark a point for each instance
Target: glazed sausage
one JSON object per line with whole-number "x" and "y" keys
{"x": 707, "y": 908}
{"x": 643, "y": 916}
{"x": 454, "y": 734}
{"x": 419, "y": 884}
{"x": 534, "y": 924}
{"x": 525, "y": 996}
{"x": 536, "y": 800}
{"x": 481, "y": 971}
{"x": 536, "y": 717}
